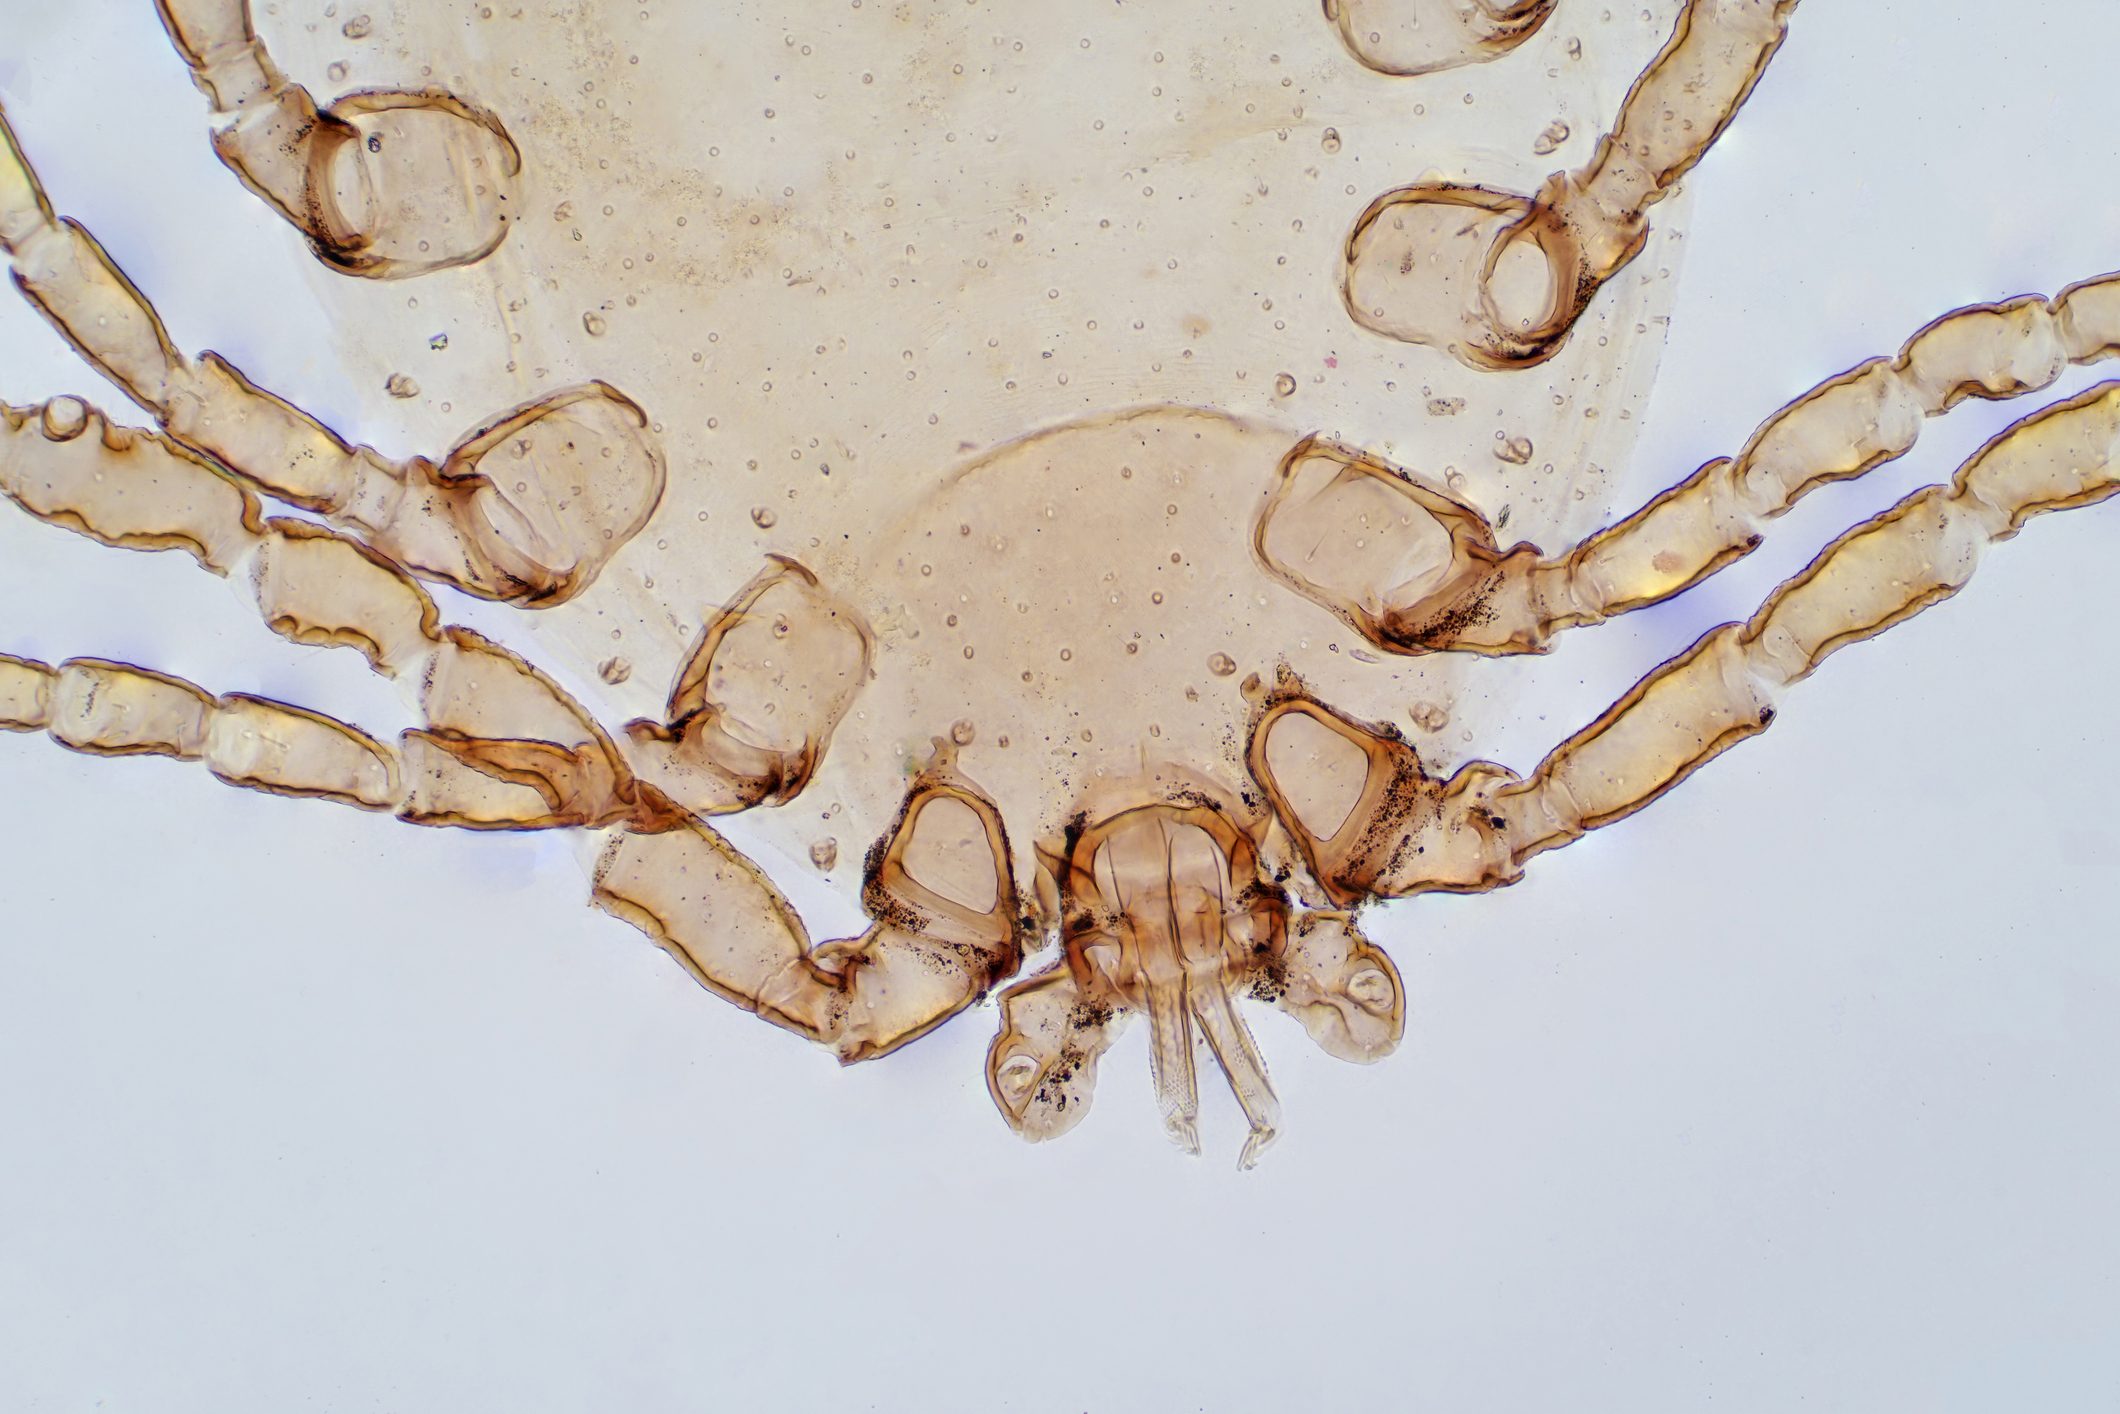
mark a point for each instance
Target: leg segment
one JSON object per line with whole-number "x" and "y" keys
{"x": 1415, "y": 570}
{"x": 1884, "y": 571}
{"x": 504, "y": 746}
{"x": 941, "y": 891}
{"x": 432, "y": 189}
{"x": 527, "y": 509}
{"x": 1372, "y": 822}
{"x": 1498, "y": 279}
{"x": 757, "y": 700}
{"x": 116, "y": 709}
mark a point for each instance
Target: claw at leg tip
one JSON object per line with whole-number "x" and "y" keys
{"x": 1255, "y": 1147}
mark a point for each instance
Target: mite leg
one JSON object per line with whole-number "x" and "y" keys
{"x": 1414, "y": 570}
{"x": 1370, "y": 821}
{"x": 1725, "y": 688}
{"x": 1498, "y": 279}
{"x": 434, "y": 188}
{"x": 1861, "y": 419}
{"x": 527, "y": 509}
{"x": 1365, "y": 814}
{"x": 941, "y": 893}
{"x": 505, "y": 747}
{"x": 116, "y": 709}
{"x": 107, "y": 708}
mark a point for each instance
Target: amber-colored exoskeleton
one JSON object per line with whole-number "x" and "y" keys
{"x": 1055, "y": 661}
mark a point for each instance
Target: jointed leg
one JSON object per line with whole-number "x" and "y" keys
{"x": 527, "y": 509}
{"x": 1849, "y": 424}
{"x": 755, "y": 704}
{"x": 1319, "y": 534}
{"x": 433, "y": 191}
{"x": 1499, "y": 279}
{"x": 942, "y": 893}
{"x": 1725, "y": 688}
{"x": 504, "y": 746}
{"x": 116, "y": 709}
{"x": 1375, "y": 823}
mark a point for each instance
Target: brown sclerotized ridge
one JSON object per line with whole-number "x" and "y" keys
{"x": 384, "y": 183}
{"x": 1499, "y": 279}
{"x": 1414, "y": 569}
{"x": 528, "y": 508}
